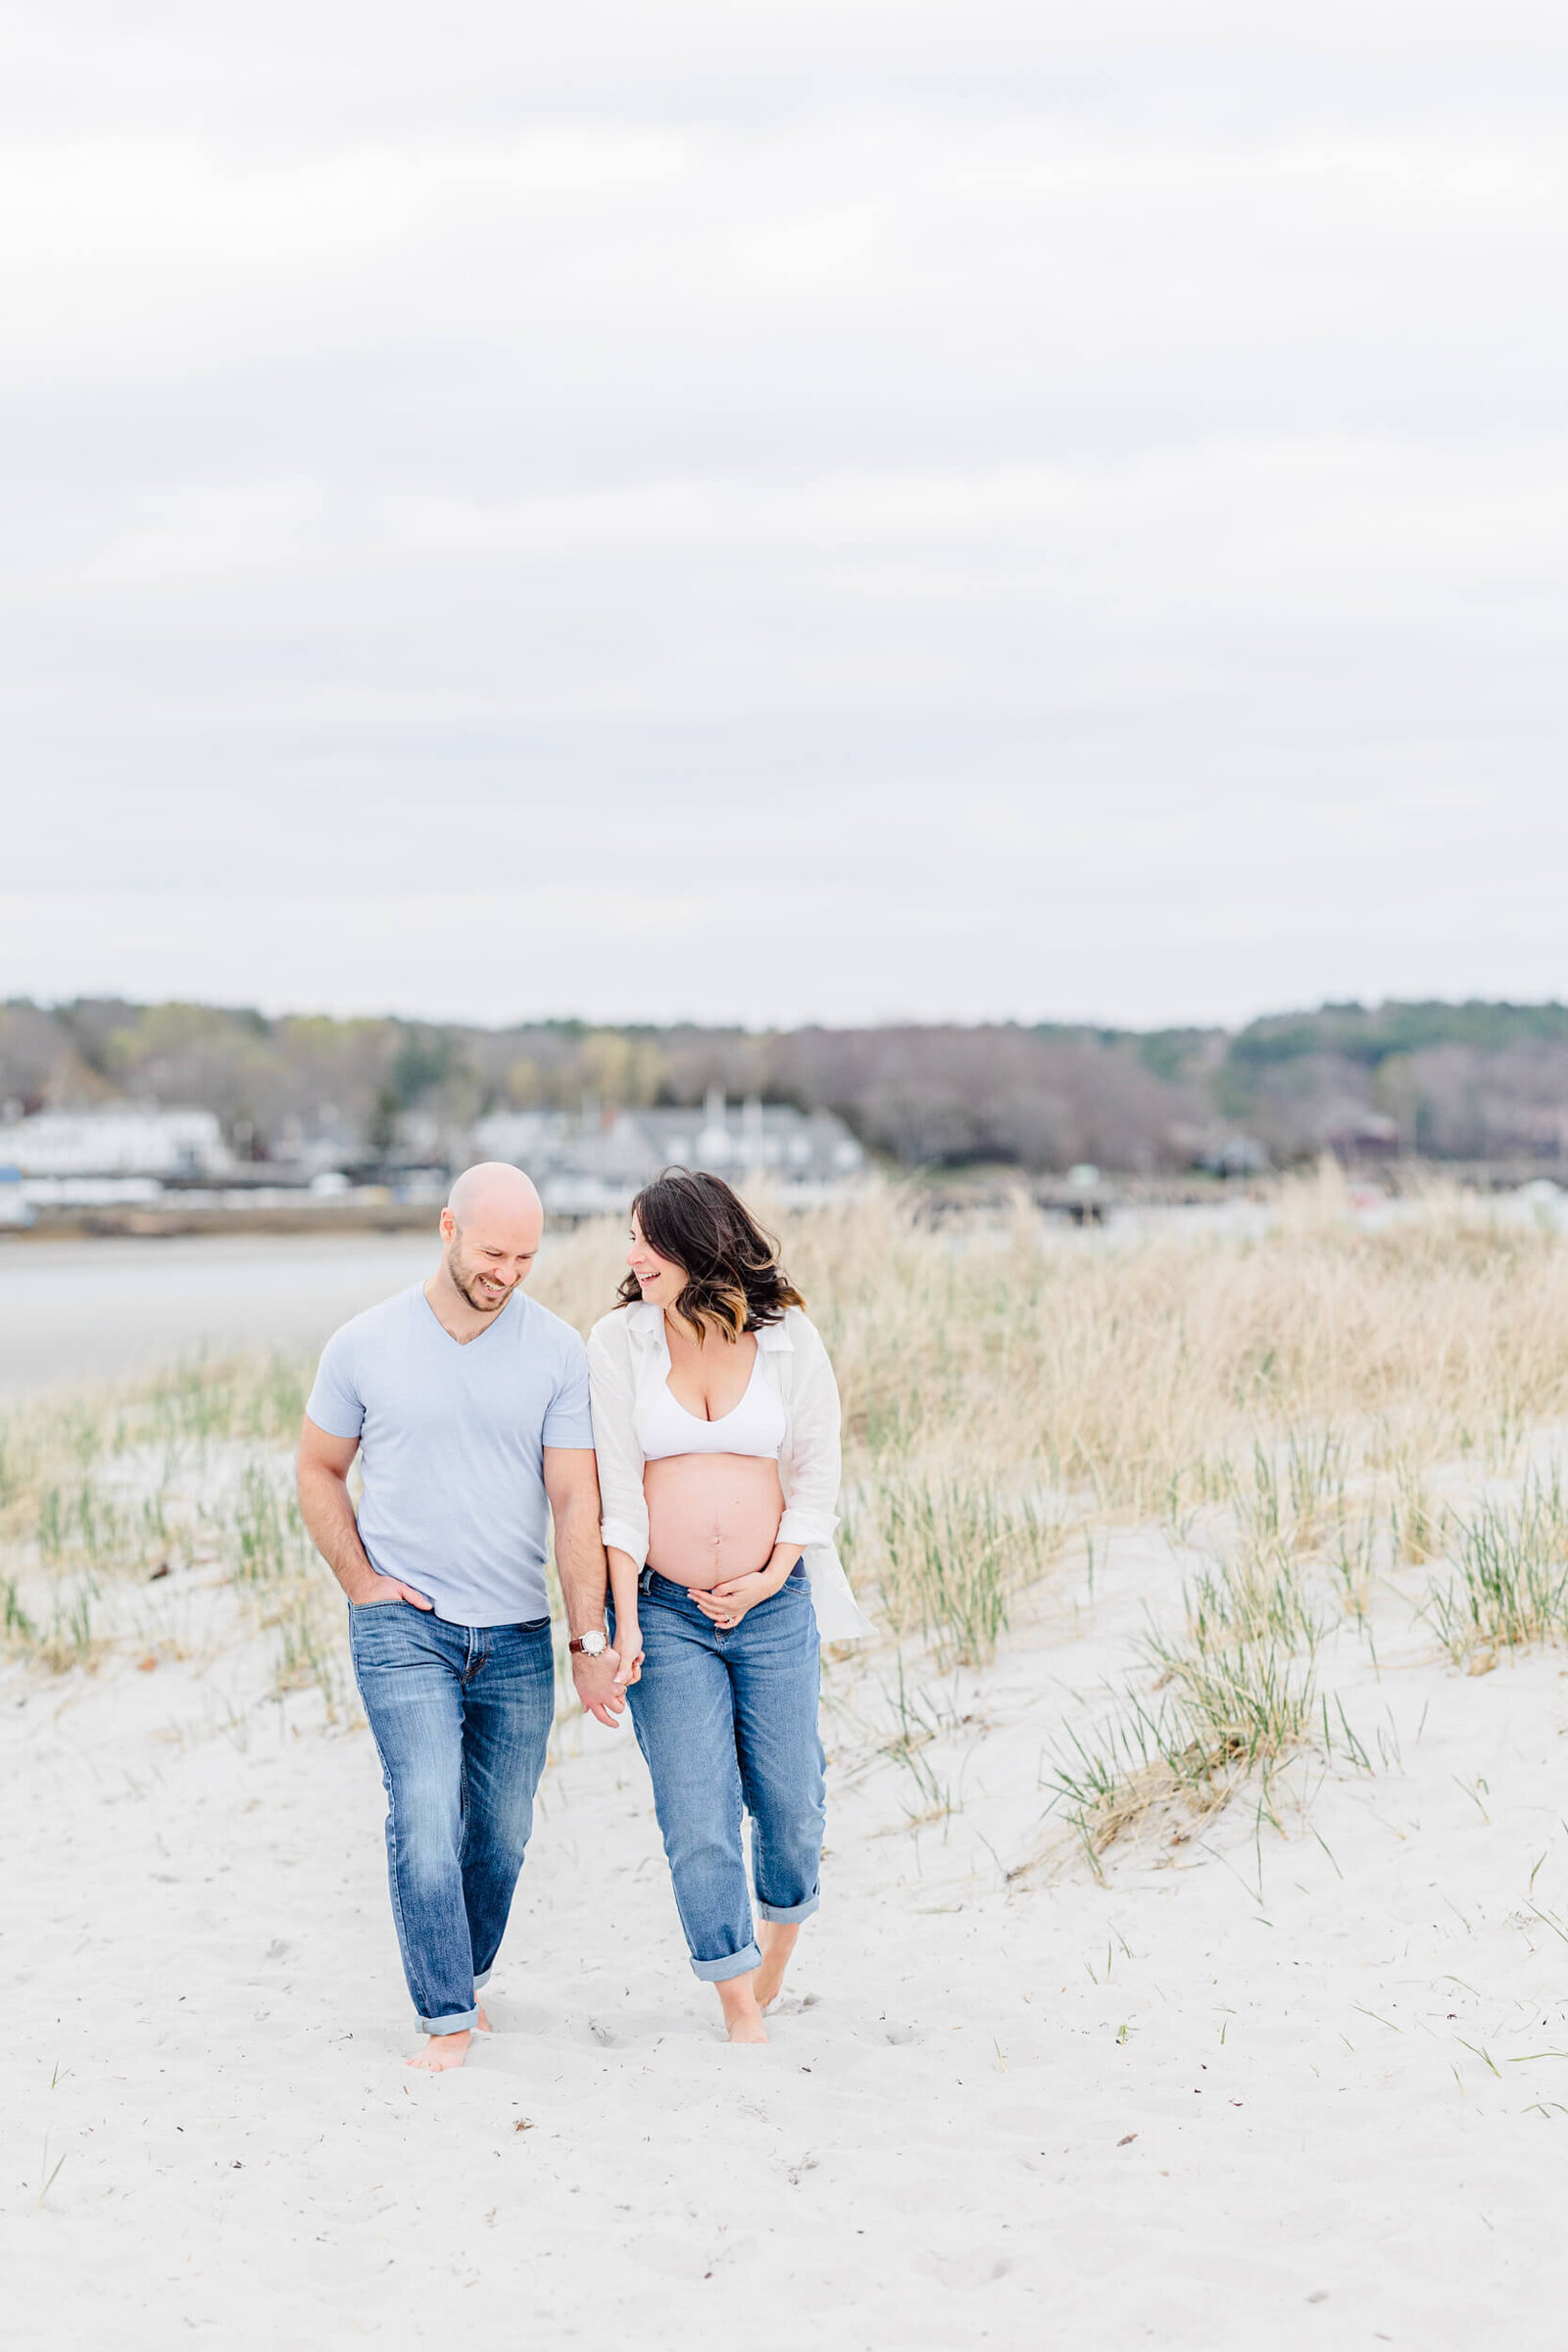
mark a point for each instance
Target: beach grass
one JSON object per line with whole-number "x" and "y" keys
{"x": 1224, "y": 1699}
{"x": 949, "y": 1556}
{"x": 120, "y": 1487}
{"x": 1508, "y": 1585}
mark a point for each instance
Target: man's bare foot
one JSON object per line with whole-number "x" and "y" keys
{"x": 441, "y": 2051}
{"x": 743, "y": 2019}
{"x": 777, "y": 1941}
{"x": 481, "y": 2024}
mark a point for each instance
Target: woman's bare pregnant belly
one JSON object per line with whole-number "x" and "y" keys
{"x": 712, "y": 1516}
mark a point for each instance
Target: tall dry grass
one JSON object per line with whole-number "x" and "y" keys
{"x": 1127, "y": 1371}
{"x": 1004, "y": 1384}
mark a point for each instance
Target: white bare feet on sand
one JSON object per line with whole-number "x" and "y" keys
{"x": 744, "y": 1998}
{"x": 743, "y": 2019}
{"x": 777, "y": 1941}
{"x": 443, "y": 2051}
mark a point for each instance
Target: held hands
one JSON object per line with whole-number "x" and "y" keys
{"x": 728, "y": 1604}
{"x": 629, "y": 1645}
{"x": 598, "y": 1684}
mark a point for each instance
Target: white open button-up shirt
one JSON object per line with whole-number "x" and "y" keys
{"x": 628, "y": 1352}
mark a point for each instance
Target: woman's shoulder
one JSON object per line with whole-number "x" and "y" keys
{"x": 795, "y": 1330}
{"x": 615, "y": 1331}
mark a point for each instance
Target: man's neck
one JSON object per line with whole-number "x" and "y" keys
{"x": 456, "y": 1315}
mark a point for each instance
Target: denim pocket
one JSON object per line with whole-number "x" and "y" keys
{"x": 378, "y": 1628}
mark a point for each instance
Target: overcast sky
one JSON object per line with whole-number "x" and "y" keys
{"x": 832, "y": 511}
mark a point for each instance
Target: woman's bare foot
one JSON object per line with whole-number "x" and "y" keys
{"x": 777, "y": 1941}
{"x": 481, "y": 2024}
{"x": 743, "y": 2019}
{"x": 441, "y": 2051}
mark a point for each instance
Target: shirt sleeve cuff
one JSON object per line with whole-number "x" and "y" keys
{"x": 805, "y": 1527}
{"x": 325, "y": 1426}
{"x": 573, "y": 1432}
{"x": 620, "y": 1536}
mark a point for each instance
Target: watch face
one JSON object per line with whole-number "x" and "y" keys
{"x": 594, "y": 1644}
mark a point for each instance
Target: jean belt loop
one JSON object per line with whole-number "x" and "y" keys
{"x": 645, "y": 1581}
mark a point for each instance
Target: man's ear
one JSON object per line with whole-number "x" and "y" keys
{"x": 449, "y": 1225}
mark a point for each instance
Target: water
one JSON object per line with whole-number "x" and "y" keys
{"x": 84, "y": 1310}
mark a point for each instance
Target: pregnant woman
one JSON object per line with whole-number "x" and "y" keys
{"x": 717, "y": 1423}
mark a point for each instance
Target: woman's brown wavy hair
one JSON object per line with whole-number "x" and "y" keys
{"x": 734, "y": 1282}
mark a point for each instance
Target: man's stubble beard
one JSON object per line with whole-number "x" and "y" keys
{"x": 480, "y": 1305}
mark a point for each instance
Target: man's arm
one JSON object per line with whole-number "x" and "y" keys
{"x": 571, "y": 1482}
{"x": 323, "y": 1482}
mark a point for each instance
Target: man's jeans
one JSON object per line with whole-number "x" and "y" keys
{"x": 461, "y": 1717}
{"x": 726, "y": 1719}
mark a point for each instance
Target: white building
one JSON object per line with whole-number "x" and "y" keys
{"x": 15, "y": 1206}
{"x": 595, "y": 1163}
{"x": 120, "y": 1139}
{"x": 755, "y": 1138}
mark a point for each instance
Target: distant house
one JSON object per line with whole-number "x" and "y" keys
{"x": 1364, "y": 1135}
{"x": 1546, "y": 1133}
{"x": 119, "y": 1140}
{"x": 1220, "y": 1151}
{"x": 1234, "y": 1155}
{"x": 15, "y": 1206}
{"x": 594, "y": 1163}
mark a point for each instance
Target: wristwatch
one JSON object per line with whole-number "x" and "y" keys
{"x": 588, "y": 1645}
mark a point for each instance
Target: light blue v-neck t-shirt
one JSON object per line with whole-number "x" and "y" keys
{"x": 452, "y": 1442}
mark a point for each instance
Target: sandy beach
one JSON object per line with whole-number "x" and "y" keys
{"x": 1298, "y": 2089}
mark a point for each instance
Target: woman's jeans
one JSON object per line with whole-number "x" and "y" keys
{"x": 728, "y": 1720}
{"x": 461, "y": 1717}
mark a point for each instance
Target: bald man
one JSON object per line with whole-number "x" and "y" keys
{"x": 467, "y": 1404}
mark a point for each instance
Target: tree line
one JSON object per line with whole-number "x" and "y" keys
{"x": 1467, "y": 1081}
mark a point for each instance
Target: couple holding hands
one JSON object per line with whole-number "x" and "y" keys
{"x": 689, "y": 1459}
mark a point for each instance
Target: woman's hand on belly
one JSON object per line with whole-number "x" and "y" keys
{"x": 726, "y": 1604}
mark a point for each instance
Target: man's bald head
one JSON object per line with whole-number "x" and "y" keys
{"x": 494, "y": 1188}
{"x": 491, "y": 1225}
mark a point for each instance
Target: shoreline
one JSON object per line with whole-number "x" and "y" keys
{"x": 951, "y": 1197}
{"x": 143, "y": 1223}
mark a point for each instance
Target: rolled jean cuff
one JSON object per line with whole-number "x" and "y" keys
{"x": 462, "y": 2023}
{"x": 479, "y": 1983}
{"x": 790, "y": 1916}
{"x": 734, "y": 1964}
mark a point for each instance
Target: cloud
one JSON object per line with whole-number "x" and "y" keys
{"x": 836, "y": 515}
